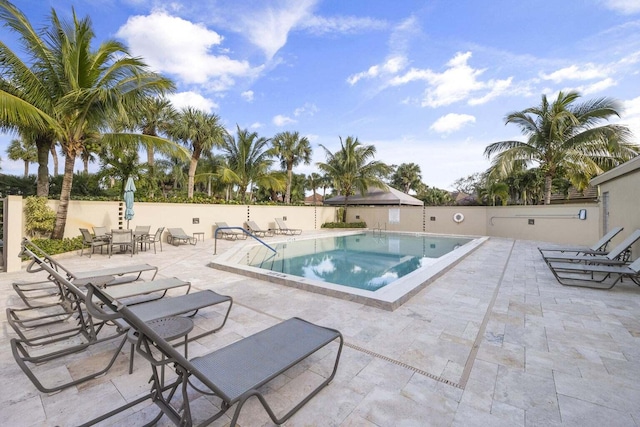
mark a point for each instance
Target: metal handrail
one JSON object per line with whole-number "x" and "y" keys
{"x": 215, "y": 237}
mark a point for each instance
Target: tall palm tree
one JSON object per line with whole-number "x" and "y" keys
{"x": 292, "y": 150}
{"x": 352, "y": 168}
{"x": 25, "y": 85}
{"x": 407, "y": 177}
{"x": 312, "y": 182}
{"x": 86, "y": 86}
{"x": 564, "y": 135}
{"x": 199, "y": 130}
{"x": 249, "y": 158}
{"x": 24, "y": 150}
{"x": 153, "y": 116}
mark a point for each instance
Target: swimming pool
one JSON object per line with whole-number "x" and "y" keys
{"x": 378, "y": 269}
{"x": 364, "y": 261}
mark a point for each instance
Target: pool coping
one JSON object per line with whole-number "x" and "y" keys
{"x": 388, "y": 298}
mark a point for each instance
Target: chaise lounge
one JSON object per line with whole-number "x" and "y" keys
{"x": 177, "y": 235}
{"x": 598, "y": 248}
{"x": 228, "y": 232}
{"x": 596, "y": 276}
{"x": 619, "y": 255}
{"x": 284, "y": 229}
{"x": 233, "y": 374}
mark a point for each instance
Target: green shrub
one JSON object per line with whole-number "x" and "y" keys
{"x": 40, "y": 218}
{"x": 54, "y": 246}
{"x": 360, "y": 224}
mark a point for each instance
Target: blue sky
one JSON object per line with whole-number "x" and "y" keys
{"x": 428, "y": 82}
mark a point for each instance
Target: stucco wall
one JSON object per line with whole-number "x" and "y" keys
{"x": 624, "y": 206}
{"x": 557, "y": 224}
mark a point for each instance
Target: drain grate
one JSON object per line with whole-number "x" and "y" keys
{"x": 404, "y": 365}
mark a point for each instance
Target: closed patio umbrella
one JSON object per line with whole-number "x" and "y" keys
{"x": 129, "y": 189}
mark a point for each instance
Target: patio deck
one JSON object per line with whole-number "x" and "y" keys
{"x": 496, "y": 341}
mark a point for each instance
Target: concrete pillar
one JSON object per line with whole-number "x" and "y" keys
{"x": 13, "y": 232}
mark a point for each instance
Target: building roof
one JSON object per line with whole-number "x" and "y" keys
{"x": 377, "y": 196}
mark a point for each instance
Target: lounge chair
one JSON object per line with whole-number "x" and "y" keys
{"x": 616, "y": 256}
{"x": 92, "y": 241}
{"x": 284, "y": 229}
{"x": 177, "y": 235}
{"x": 255, "y": 229}
{"x": 230, "y": 233}
{"x": 597, "y": 276}
{"x": 598, "y": 248}
{"x": 41, "y": 292}
{"x": 233, "y": 374}
{"x": 91, "y": 331}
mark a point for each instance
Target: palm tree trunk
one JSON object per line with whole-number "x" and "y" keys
{"x": 344, "y": 212}
{"x": 287, "y": 195}
{"x": 65, "y": 194}
{"x": 43, "y": 145}
{"x": 26, "y": 168}
{"x": 54, "y": 156}
{"x": 193, "y": 164}
{"x": 152, "y": 171}
{"x": 547, "y": 189}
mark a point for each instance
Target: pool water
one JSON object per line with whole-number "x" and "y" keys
{"x": 368, "y": 261}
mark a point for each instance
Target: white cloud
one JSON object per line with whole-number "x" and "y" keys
{"x": 256, "y": 125}
{"x": 281, "y": 120}
{"x": 268, "y": 28}
{"x": 598, "y": 86}
{"x": 181, "y": 48}
{"x": 631, "y": 117}
{"x": 627, "y": 7}
{"x": 192, "y": 99}
{"x": 341, "y": 24}
{"x": 456, "y": 83}
{"x": 307, "y": 109}
{"x": 391, "y": 66}
{"x": 247, "y": 95}
{"x": 574, "y": 72}
{"x": 451, "y": 122}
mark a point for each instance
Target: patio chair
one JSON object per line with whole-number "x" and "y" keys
{"x": 42, "y": 293}
{"x": 596, "y": 276}
{"x": 90, "y": 331}
{"x": 89, "y": 240}
{"x": 229, "y": 232}
{"x": 177, "y": 235}
{"x": 255, "y": 229}
{"x": 234, "y": 373}
{"x": 619, "y": 255}
{"x": 101, "y": 233}
{"x": 598, "y": 248}
{"x": 284, "y": 229}
{"x": 122, "y": 239}
{"x": 149, "y": 239}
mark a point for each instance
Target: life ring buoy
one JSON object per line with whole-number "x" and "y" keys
{"x": 458, "y": 217}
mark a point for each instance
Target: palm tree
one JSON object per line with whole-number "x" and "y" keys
{"x": 407, "y": 177}
{"x": 22, "y": 149}
{"x": 292, "y": 150}
{"x": 199, "y": 130}
{"x": 25, "y": 87}
{"x": 352, "y": 168}
{"x": 85, "y": 86}
{"x": 313, "y": 181}
{"x": 495, "y": 190}
{"x": 564, "y": 135}
{"x": 154, "y": 115}
{"x": 249, "y": 159}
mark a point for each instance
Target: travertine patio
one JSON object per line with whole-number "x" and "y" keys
{"x": 495, "y": 341}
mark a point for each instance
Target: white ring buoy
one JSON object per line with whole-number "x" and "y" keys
{"x": 458, "y": 217}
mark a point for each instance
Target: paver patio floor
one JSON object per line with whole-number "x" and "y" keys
{"x": 494, "y": 341}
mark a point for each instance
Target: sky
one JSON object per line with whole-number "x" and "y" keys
{"x": 428, "y": 82}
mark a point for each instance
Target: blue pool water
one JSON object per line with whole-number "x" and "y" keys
{"x": 364, "y": 261}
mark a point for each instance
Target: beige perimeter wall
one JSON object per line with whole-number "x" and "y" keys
{"x": 624, "y": 206}
{"x": 556, "y": 224}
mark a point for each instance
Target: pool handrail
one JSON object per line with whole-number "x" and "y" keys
{"x": 248, "y": 233}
